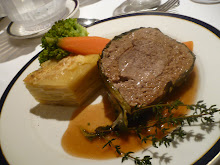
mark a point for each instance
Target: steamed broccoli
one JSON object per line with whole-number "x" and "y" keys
{"x": 62, "y": 28}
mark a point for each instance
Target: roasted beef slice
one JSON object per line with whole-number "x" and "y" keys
{"x": 143, "y": 65}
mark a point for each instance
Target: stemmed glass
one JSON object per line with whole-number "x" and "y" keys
{"x": 206, "y": 1}
{"x": 132, "y": 6}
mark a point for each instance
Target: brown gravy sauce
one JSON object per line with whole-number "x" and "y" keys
{"x": 93, "y": 116}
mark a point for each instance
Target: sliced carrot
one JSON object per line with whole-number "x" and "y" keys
{"x": 189, "y": 44}
{"x": 91, "y": 44}
{"x": 83, "y": 45}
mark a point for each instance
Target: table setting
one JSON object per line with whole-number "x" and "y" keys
{"x": 38, "y": 134}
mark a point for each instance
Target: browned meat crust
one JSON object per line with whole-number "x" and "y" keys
{"x": 141, "y": 64}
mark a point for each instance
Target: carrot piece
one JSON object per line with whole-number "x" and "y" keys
{"x": 189, "y": 44}
{"x": 83, "y": 45}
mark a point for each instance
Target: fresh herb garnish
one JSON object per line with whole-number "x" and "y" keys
{"x": 200, "y": 113}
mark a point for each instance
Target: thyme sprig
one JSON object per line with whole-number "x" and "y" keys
{"x": 146, "y": 160}
{"x": 200, "y": 111}
{"x": 125, "y": 156}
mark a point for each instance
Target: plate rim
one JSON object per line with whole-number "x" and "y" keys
{"x": 209, "y": 27}
{"x": 206, "y": 157}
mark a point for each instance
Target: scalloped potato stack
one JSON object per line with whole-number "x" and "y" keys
{"x": 70, "y": 81}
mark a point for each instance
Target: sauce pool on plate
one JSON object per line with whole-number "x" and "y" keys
{"x": 102, "y": 114}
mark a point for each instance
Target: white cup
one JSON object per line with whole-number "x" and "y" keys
{"x": 34, "y": 15}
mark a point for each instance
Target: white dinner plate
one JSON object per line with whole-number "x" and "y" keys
{"x": 31, "y": 133}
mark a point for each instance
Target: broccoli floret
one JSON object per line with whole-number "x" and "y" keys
{"x": 62, "y": 28}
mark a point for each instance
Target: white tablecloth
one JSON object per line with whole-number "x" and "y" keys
{"x": 14, "y": 54}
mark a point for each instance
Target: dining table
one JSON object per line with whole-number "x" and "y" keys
{"x": 16, "y": 52}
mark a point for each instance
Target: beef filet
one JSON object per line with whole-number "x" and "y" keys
{"x": 142, "y": 65}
